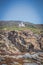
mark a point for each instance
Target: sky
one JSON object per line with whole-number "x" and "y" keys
{"x": 22, "y": 10}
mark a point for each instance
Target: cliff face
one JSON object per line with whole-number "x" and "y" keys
{"x": 20, "y": 41}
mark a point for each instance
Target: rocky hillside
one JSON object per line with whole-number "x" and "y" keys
{"x": 20, "y": 47}
{"x": 20, "y": 41}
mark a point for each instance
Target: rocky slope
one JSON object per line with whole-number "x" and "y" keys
{"x": 22, "y": 41}
{"x": 18, "y": 47}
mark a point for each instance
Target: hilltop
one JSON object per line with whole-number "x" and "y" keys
{"x": 15, "y": 23}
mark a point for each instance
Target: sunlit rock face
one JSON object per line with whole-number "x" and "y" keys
{"x": 20, "y": 41}
{"x": 19, "y": 46}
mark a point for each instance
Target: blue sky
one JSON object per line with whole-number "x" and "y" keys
{"x": 22, "y": 10}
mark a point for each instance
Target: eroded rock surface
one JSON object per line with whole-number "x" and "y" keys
{"x": 22, "y": 41}
{"x": 13, "y": 43}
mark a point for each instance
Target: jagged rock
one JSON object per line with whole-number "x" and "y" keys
{"x": 22, "y": 40}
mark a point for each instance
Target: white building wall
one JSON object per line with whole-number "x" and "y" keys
{"x": 22, "y": 25}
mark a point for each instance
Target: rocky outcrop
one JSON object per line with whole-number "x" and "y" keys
{"x": 21, "y": 41}
{"x": 13, "y": 43}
